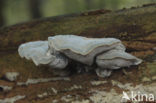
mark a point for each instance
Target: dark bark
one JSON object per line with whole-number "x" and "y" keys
{"x": 136, "y": 27}
{"x": 135, "y": 24}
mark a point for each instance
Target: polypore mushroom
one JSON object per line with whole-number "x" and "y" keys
{"x": 39, "y": 53}
{"x": 114, "y": 59}
{"x": 105, "y": 54}
{"x": 83, "y": 49}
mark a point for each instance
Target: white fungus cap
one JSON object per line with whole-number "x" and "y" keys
{"x": 39, "y": 53}
{"x": 115, "y": 59}
{"x": 83, "y": 49}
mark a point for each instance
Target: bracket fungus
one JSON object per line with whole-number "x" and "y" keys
{"x": 39, "y": 52}
{"x": 101, "y": 54}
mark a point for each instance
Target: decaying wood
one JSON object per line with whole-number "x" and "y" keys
{"x": 136, "y": 27}
{"x": 135, "y": 24}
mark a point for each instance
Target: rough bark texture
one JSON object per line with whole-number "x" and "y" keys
{"x": 132, "y": 24}
{"x": 136, "y": 27}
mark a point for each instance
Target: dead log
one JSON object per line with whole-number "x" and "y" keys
{"x": 136, "y": 27}
{"x": 135, "y": 24}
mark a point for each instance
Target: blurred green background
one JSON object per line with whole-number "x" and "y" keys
{"x": 16, "y": 11}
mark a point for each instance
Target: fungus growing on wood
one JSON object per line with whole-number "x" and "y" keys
{"x": 38, "y": 52}
{"x": 101, "y": 54}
